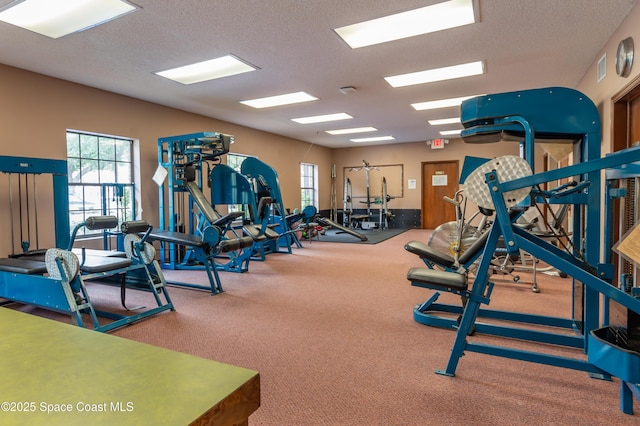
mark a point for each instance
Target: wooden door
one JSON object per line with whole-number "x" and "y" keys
{"x": 626, "y": 133}
{"x": 439, "y": 179}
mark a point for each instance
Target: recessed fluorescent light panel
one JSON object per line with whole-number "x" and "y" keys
{"x": 272, "y": 101}
{"x": 441, "y": 103}
{"x": 374, "y": 139}
{"x": 322, "y": 118}
{"x": 57, "y": 18}
{"x": 440, "y": 122}
{"x": 437, "y": 17}
{"x": 450, "y": 132}
{"x": 437, "y": 74}
{"x": 351, "y": 131}
{"x": 224, "y": 66}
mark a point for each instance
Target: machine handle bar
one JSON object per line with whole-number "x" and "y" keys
{"x": 562, "y": 190}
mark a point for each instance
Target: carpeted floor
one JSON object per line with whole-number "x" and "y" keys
{"x": 330, "y": 329}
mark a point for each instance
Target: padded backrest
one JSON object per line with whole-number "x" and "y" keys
{"x": 203, "y": 204}
{"x": 473, "y": 249}
{"x": 190, "y": 173}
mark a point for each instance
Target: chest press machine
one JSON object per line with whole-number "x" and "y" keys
{"x": 54, "y": 278}
{"x": 531, "y": 116}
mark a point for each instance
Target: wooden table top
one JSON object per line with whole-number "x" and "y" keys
{"x": 54, "y": 373}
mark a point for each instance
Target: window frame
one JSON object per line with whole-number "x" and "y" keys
{"x": 305, "y": 179}
{"x": 100, "y": 194}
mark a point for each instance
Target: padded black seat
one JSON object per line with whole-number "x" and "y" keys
{"x": 254, "y": 232}
{"x": 23, "y": 266}
{"x": 424, "y": 251}
{"x": 179, "y": 238}
{"x": 434, "y": 279}
{"x": 102, "y": 253}
{"x": 442, "y": 259}
{"x": 271, "y": 233}
{"x": 95, "y": 264}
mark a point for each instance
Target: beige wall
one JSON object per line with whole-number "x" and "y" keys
{"x": 602, "y": 92}
{"x": 37, "y": 110}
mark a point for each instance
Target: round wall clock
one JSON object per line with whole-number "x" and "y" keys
{"x": 624, "y": 57}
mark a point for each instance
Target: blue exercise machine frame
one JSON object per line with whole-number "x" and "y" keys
{"x": 554, "y": 113}
{"x": 66, "y": 294}
{"x": 203, "y": 235}
{"x": 267, "y": 180}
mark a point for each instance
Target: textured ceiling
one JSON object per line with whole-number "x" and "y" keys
{"x": 524, "y": 43}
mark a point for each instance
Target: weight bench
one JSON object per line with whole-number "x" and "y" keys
{"x": 357, "y": 219}
{"x": 52, "y": 283}
{"x": 57, "y": 283}
{"x": 204, "y": 250}
{"x": 138, "y": 268}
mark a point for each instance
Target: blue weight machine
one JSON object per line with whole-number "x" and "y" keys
{"x": 552, "y": 115}
{"x": 231, "y": 188}
{"x": 267, "y": 182}
{"x": 22, "y": 275}
{"x": 192, "y": 234}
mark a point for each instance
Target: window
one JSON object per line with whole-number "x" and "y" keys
{"x": 308, "y": 185}
{"x": 235, "y": 161}
{"x": 100, "y": 173}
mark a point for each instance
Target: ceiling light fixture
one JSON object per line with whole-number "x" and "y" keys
{"x": 373, "y": 139}
{"x": 322, "y": 118}
{"x": 441, "y": 103}
{"x": 223, "y": 66}
{"x": 437, "y": 17}
{"x": 437, "y": 74}
{"x": 352, "y": 130}
{"x": 441, "y": 121}
{"x": 57, "y": 18}
{"x": 279, "y": 100}
{"x": 450, "y": 132}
